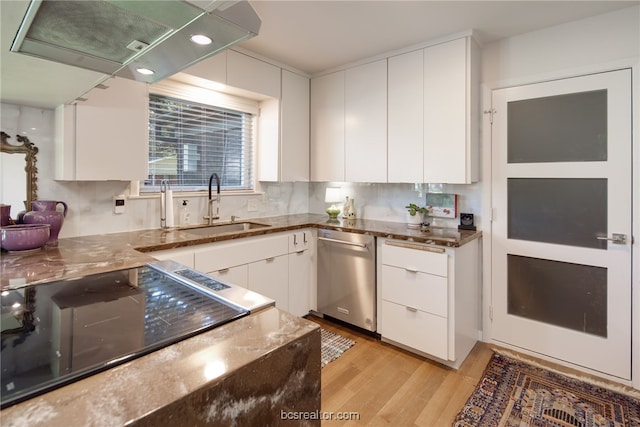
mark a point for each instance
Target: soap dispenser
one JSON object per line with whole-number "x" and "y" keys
{"x": 185, "y": 215}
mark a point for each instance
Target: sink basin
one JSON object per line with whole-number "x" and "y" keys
{"x": 236, "y": 227}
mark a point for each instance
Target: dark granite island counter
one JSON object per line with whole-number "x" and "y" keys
{"x": 244, "y": 373}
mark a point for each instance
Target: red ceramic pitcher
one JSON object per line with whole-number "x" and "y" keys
{"x": 45, "y": 212}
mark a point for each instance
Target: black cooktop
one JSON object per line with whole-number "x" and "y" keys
{"x": 59, "y": 332}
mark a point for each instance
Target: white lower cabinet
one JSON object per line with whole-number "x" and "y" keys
{"x": 183, "y": 256}
{"x": 279, "y": 266}
{"x": 428, "y": 298}
{"x": 270, "y": 277}
{"x": 238, "y": 275}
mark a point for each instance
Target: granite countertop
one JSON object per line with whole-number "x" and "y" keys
{"x": 80, "y": 256}
{"x": 134, "y": 392}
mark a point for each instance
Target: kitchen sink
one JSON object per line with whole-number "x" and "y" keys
{"x": 236, "y": 227}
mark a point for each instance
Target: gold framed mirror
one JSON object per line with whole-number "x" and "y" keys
{"x": 29, "y": 150}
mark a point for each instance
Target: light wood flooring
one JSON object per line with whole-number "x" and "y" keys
{"x": 387, "y": 386}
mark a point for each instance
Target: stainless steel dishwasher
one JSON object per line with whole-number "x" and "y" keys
{"x": 347, "y": 277}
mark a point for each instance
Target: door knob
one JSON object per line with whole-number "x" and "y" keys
{"x": 617, "y": 238}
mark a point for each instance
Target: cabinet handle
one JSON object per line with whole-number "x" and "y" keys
{"x": 295, "y": 240}
{"x": 304, "y": 237}
{"x": 223, "y": 270}
{"x": 411, "y": 309}
{"x": 411, "y": 269}
{"x": 416, "y": 246}
{"x": 270, "y": 259}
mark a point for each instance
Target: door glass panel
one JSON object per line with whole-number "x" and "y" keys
{"x": 568, "y": 211}
{"x": 568, "y": 295}
{"x": 561, "y": 128}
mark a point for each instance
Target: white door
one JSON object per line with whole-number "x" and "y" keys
{"x": 561, "y": 246}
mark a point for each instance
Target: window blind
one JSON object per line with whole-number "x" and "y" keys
{"x": 188, "y": 141}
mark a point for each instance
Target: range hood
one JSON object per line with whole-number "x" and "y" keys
{"x": 123, "y": 37}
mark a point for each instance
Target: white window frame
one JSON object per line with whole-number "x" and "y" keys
{"x": 187, "y": 92}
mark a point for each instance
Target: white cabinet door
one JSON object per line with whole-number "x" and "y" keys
{"x": 237, "y": 275}
{"x": 327, "y": 127}
{"x": 252, "y": 74}
{"x": 283, "y": 143}
{"x": 181, "y": 256}
{"x": 270, "y": 277}
{"x": 300, "y": 297}
{"x": 405, "y": 141}
{"x": 108, "y": 136}
{"x": 294, "y": 125}
{"x": 366, "y": 122}
{"x": 213, "y": 68}
{"x": 450, "y": 129}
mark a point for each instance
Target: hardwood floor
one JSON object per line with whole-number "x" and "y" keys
{"x": 387, "y": 386}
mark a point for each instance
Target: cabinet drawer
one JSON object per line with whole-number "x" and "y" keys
{"x": 416, "y": 329}
{"x": 426, "y": 292}
{"x": 243, "y": 251}
{"x": 233, "y": 275}
{"x": 181, "y": 256}
{"x": 426, "y": 261}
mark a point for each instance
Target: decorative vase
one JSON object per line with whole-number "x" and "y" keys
{"x": 44, "y": 212}
{"x": 414, "y": 221}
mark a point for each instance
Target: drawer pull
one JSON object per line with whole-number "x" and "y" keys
{"x": 411, "y": 269}
{"x": 270, "y": 259}
{"x": 411, "y": 309}
{"x": 415, "y": 246}
{"x": 223, "y": 270}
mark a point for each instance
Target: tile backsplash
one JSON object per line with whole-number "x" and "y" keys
{"x": 91, "y": 203}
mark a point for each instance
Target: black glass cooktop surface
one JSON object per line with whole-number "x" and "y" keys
{"x": 59, "y": 332}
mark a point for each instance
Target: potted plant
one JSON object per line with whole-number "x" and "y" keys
{"x": 415, "y": 215}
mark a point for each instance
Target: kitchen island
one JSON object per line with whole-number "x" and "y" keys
{"x": 243, "y": 373}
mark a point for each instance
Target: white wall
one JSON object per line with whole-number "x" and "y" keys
{"x": 596, "y": 44}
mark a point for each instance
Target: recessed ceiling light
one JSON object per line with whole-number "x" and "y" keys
{"x": 201, "y": 39}
{"x": 145, "y": 71}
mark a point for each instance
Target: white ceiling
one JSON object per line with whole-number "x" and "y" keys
{"x": 310, "y": 36}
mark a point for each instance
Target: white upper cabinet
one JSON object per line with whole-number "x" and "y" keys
{"x": 406, "y": 117}
{"x": 213, "y": 68}
{"x": 366, "y": 122}
{"x": 252, "y": 74}
{"x": 283, "y": 135}
{"x": 105, "y": 137}
{"x": 327, "y": 125}
{"x": 451, "y": 105}
{"x": 433, "y": 114}
{"x": 294, "y": 113}
{"x": 239, "y": 71}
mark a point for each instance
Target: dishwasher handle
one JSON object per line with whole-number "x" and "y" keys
{"x": 343, "y": 242}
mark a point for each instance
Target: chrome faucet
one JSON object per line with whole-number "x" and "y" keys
{"x": 210, "y": 217}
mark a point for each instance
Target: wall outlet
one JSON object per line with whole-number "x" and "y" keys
{"x": 252, "y": 205}
{"x": 118, "y": 204}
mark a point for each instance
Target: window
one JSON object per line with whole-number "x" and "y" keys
{"x": 189, "y": 140}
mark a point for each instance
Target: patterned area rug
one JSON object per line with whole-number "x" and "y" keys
{"x": 514, "y": 393}
{"x": 333, "y": 345}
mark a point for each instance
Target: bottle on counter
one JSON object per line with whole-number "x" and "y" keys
{"x": 185, "y": 215}
{"x": 345, "y": 208}
{"x": 351, "y": 212}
